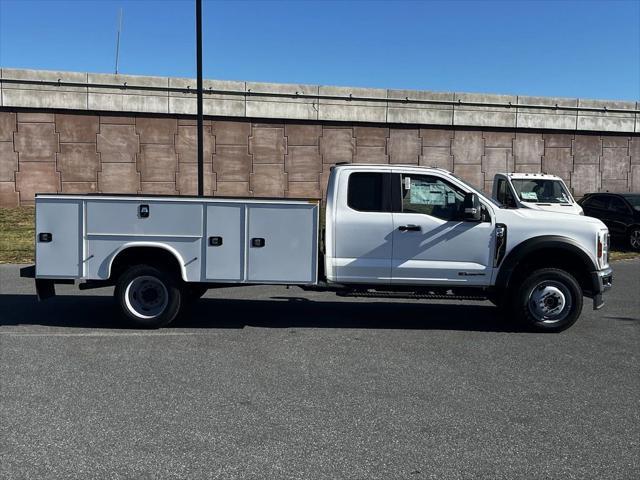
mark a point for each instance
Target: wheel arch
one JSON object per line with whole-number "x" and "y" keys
{"x": 547, "y": 251}
{"x": 152, "y": 253}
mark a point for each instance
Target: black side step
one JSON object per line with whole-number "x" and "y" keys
{"x": 408, "y": 295}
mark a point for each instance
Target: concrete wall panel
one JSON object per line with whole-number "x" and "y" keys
{"x": 587, "y": 149}
{"x": 404, "y": 146}
{"x": 337, "y": 145}
{"x": 36, "y": 142}
{"x": 119, "y": 178}
{"x": 302, "y": 134}
{"x": 8, "y": 126}
{"x": 233, "y": 189}
{"x": 118, "y": 143}
{"x": 187, "y": 179}
{"x": 78, "y": 162}
{"x": 303, "y": 163}
{"x": 467, "y": 147}
{"x": 8, "y": 162}
{"x": 186, "y": 142}
{"x": 268, "y": 180}
{"x": 231, "y": 133}
{"x": 268, "y": 145}
{"x": 371, "y": 136}
{"x": 77, "y": 128}
{"x": 439, "y": 157}
{"x": 371, "y": 155}
{"x": 528, "y": 148}
{"x": 157, "y": 163}
{"x": 232, "y": 163}
{"x": 36, "y": 177}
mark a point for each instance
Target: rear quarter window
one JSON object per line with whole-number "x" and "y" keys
{"x": 365, "y": 192}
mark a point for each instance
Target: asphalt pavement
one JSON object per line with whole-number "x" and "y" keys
{"x": 270, "y": 383}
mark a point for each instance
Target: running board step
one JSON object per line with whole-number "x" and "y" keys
{"x": 408, "y": 295}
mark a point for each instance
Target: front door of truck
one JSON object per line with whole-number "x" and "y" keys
{"x": 364, "y": 228}
{"x": 432, "y": 243}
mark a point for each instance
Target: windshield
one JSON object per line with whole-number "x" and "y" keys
{"x": 541, "y": 190}
{"x": 634, "y": 200}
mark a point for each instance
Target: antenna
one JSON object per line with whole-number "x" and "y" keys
{"x": 118, "y": 40}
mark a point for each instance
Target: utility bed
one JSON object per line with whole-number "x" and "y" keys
{"x": 214, "y": 240}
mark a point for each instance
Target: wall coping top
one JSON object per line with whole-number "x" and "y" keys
{"x": 44, "y": 89}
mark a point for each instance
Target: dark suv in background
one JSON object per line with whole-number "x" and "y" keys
{"x": 620, "y": 212}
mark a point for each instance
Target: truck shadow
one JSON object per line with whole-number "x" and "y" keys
{"x": 87, "y": 311}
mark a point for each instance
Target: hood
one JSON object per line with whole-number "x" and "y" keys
{"x": 573, "y": 208}
{"x": 540, "y": 215}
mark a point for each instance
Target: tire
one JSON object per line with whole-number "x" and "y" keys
{"x": 634, "y": 239}
{"x": 148, "y": 297}
{"x": 548, "y": 300}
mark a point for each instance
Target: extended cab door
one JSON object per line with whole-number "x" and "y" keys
{"x": 432, "y": 244}
{"x": 363, "y": 228}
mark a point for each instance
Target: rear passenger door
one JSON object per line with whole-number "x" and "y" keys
{"x": 364, "y": 229}
{"x": 596, "y": 206}
{"x": 618, "y": 215}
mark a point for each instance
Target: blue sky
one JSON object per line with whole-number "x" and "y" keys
{"x": 587, "y": 49}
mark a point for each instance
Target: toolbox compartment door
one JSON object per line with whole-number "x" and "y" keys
{"x": 58, "y": 237}
{"x": 224, "y": 242}
{"x": 282, "y": 243}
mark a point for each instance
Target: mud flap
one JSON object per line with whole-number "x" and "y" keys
{"x": 45, "y": 288}
{"x": 598, "y": 302}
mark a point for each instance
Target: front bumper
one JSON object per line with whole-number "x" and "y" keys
{"x": 601, "y": 281}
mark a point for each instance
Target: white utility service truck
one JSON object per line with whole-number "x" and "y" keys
{"x": 391, "y": 231}
{"x": 539, "y": 191}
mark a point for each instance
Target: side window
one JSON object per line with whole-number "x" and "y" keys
{"x": 596, "y": 202}
{"x": 502, "y": 191}
{"x": 431, "y": 196}
{"x": 617, "y": 205}
{"x": 366, "y": 192}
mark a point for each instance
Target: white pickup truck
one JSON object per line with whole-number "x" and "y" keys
{"x": 392, "y": 231}
{"x": 539, "y": 191}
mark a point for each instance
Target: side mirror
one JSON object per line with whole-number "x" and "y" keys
{"x": 472, "y": 208}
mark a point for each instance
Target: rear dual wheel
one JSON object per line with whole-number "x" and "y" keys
{"x": 148, "y": 297}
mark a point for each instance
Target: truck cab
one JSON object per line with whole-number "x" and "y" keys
{"x": 538, "y": 191}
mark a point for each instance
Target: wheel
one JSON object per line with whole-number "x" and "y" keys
{"x": 548, "y": 300}
{"x": 634, "y": 238}
{"x": 148, "y": 297}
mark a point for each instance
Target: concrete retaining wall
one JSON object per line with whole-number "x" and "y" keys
{"x": 55, "y": 151}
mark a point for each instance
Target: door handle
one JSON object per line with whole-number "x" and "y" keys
{"x": 409, "y": 228}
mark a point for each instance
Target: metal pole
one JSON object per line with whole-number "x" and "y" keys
{"x": 199, "y": 100}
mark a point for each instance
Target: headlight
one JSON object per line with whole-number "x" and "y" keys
{"x": 602, "y": 247}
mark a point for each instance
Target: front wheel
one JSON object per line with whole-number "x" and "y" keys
{"x": 148, "y": 297}
{"x": 549, "y": 300}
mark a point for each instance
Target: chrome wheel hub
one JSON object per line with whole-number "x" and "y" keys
{"x": 550, "y": 302}
{"x": 146, "y": 297}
